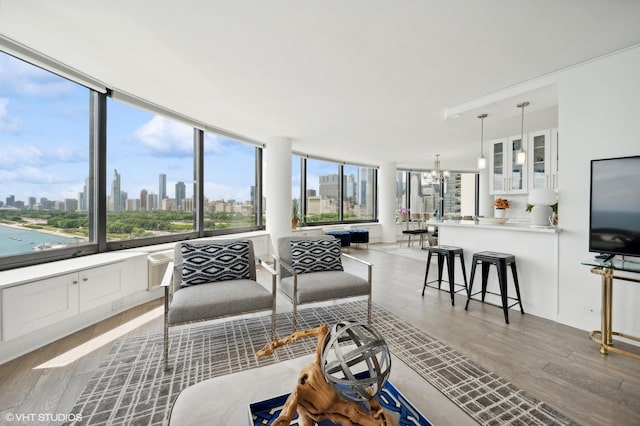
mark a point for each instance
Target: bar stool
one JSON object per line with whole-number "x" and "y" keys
{"x": 501, "y": 260}
{"x": 449, "y": 253}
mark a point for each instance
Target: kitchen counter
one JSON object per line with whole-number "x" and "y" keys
{"x": 536, "y": 252}
{"x": 508, "y": 226}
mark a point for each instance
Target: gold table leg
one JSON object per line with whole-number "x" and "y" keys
{"x": 604, "y": 336}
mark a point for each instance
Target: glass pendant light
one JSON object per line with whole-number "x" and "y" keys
{"x": 521, "y": 156}
{"x": 482, "y": 162}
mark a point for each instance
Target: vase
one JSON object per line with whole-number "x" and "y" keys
{"x": 498, "y": 213}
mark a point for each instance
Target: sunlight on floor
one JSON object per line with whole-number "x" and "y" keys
{"x": 97, "y": 342}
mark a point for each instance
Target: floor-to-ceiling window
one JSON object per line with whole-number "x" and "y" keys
{"x": 323, "y": 191}
{"x": 84, "y": 172}
{"x": 358, "y": 192}
{"x": 423, "y": 194}
{"x": 44, "y": 161}
{"x": 149, "y": 174}
{"x": 230, "y": 197}
{"x": 334, "y": 192}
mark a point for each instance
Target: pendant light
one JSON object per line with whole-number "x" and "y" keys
{"x": 521, "y": 156}
{"x": 482, "y": 162}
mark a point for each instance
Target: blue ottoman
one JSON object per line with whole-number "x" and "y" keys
{"x": 343, "y": 236}
{"x": 359, "y": 236}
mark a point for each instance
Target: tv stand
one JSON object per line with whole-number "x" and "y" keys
{"x": 606, "y": 269}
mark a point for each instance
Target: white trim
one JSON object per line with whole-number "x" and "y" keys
{"x": 47, "y": 63}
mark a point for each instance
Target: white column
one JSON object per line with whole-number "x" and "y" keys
{"x": 387, "y": 202}
{"x": 485, "y": 200}
{"x": 277, "y": 187}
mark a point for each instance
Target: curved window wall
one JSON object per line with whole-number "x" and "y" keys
{"x": 83, "y": 173}
{"x": 44, "y": 166}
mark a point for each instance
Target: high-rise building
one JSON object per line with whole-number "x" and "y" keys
{"x": 162, "y": 187}
{"x": 10, "y": 200}
{"x": 143, "y": 200}
{"x": 181, "y": 191}
{"x": 152, "y": 201}
{"x": 329, "y": 187}
{"x": 32, "y": 202}
{"x": 115, "y": 198}
{"x": 70, "y": 204}
{"x": 84, "y": 200}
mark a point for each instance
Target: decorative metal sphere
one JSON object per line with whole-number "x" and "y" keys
{"x": 355, "y": 357}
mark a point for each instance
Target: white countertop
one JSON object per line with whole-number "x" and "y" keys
{"x": 520, "y": 227}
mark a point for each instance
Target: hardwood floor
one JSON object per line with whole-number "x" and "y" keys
{"x": 555, "y": 363}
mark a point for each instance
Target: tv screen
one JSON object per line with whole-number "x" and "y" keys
{"x": 614, "y": 223}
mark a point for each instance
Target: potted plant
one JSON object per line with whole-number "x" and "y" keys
{"x": 500, "y": 205}
{"x": 295, "y": 214}
{"x": 554, "y": 209}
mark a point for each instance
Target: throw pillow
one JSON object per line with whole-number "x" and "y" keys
{"x": 206, "y": 263}
{"x": 316, "y": 255}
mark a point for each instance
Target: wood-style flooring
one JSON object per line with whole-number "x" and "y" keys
{"x": 556, "y": 363}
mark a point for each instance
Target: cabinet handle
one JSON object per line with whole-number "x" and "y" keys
{"x": 85, "y": 279}
{"x": 74, "y": 282}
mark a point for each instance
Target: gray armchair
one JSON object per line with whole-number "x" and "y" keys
{"x": 214, "y": 279}
{"x": 312, "y": 272}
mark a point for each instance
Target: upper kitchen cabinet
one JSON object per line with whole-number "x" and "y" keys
{"x": 543, "y": 159}
{"x": 507, "y": 176}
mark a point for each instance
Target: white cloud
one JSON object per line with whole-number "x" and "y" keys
{"x": 163, "y": 136}
{"x": 25, "y": 79}
{"x": 8, "y": 124}
{"x": 29, "y": 174}
{"x": 24, "y": 155}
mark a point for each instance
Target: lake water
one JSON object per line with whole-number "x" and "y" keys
{"x": 20, "y": 241}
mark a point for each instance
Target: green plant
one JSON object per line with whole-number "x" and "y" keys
{"x": 295, "y": 209}
{"x": 554, "y": 207}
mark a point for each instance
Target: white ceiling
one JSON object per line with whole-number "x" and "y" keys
{"x": 360, "y": 80}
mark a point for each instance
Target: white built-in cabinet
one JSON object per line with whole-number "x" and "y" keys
{"x": 507, "y": 177}
{"x": 543, "y": 159}
{"x": 539, "y": 171}
{"x": 37, "y": 304}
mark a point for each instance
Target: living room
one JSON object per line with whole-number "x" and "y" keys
{"x": 597, "y": 92}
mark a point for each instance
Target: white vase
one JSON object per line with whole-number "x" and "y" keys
{"x": 498, "y": 213}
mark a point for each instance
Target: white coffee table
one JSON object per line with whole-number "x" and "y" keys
{"x": 225, "y": 400}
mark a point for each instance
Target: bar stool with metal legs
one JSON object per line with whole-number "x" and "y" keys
{"x": 447, "y": 253}
{"x": 501, "y": 260}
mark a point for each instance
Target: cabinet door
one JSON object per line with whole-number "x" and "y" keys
{"x": 497, "y": 163}
{"x": 102, "y": 285}
{"x": 517, "y": 173}
{"x": 29, "y": 307}
{"x": 555, "y": 142}
{"x": 540, "y": 159}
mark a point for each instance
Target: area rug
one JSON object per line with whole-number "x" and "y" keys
{"x": 131, "y": 386}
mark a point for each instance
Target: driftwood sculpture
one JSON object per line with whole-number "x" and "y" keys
{"x": 315, "y": 399}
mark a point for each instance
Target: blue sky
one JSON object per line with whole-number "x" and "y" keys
{"x": 44, "y": 145}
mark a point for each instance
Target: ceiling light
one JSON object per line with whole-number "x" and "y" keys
{"x": 521, "y": 156}
{"x": 482, "y": 162}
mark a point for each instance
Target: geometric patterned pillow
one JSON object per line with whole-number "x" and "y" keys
{"x": 214, "y": 262}
{"x": 316, "y": 255}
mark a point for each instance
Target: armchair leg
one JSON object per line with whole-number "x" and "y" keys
{"x": 165, "y": 354}
{"x": 295, "y": 314}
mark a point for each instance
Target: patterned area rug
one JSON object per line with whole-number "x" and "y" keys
{"x": 132, "y": 387}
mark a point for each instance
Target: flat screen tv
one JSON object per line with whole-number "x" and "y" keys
{"x": 614, "y": 221}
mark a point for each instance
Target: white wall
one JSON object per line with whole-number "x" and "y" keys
{"x": 598, "y": 117}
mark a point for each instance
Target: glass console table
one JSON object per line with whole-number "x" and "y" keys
{"x": 606, "y": 270}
